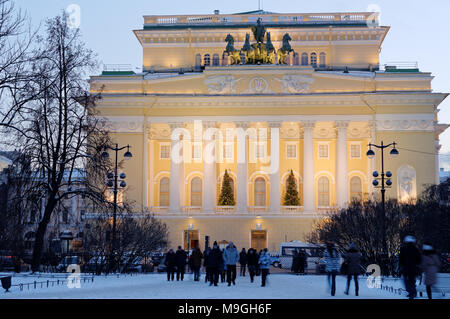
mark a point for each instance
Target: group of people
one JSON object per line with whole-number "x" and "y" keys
{"x": 299, "y": 262}
{"x": 219, "y": 263}
{"x": 412, "y": 264}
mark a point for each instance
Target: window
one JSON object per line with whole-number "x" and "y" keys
{"x": 198, "y": 60}
{"x": 196, "y": 191}
{"x": 322, "y": 60}
{"x": 355, "y": 151}
{"x": 65, "y": 217}
{"x": 296, "y": 59}
{"x": 313, "y": 60}
{"x": 197, "y": 151}
{"x": 291, "y": 151}
{"x": 323, "y": 150}
{"x": 164, "y": 187}
{"x": 228, "y": 151}
{"x": 324, "y": 192}
{"x": 304, "y": 58}
{"x": 164, "y": 152}
{"x": 355, "y": 189}
{"x": 215, "y": 60}
{"x": 260, "y": 192}
{"x": 260, "y": 150}
{"x": 207, "y": 60}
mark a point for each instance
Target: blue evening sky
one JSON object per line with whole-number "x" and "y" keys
{"x": 419, "y": 29}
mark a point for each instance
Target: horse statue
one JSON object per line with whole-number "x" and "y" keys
{"x": 285, "y": 49}
{"x": 270, "y": 49}
{"x": 231, "y": 51}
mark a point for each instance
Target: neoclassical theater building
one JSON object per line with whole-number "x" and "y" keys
{"x": 260, "y": 94}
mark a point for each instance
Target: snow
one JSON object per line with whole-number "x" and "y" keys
{"x": 156, "y": 286}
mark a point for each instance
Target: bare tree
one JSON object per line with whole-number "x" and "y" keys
{"x": 58, "y": 130}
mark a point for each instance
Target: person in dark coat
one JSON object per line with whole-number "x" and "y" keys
{"x": 302, "y": 261}
{"x": 180, "y": 258}
{"x": 170, "y": 263}
{"x": 296, "y": 262}
{"x": 258, "y": 268}
{"x": 409, "y": 262}
{"x": 243, "y": 259}
{"x": 205, "y": 263}
{"x": 215, "y": 260}
{"x": 430, "y": 266}
{"x": 196, "y": 261}
{"x": 353, "y": 260}
{"x": 252, "y": 261}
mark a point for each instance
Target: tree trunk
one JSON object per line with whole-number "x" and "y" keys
{"x": 40, "y": 234}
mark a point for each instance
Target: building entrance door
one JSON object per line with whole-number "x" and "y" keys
{"x": 191, "y": 239}
{"x": 259, "y": 239}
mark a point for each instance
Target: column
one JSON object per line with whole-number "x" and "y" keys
{"x": 209, "y": 169}
{"x": 341, "y": 164}
{"x": 176, "y": 170}
{"x": 308, "y": 166}
{"x": 436, "y": 160}
{"x": 274, "y": 166}
{"x": 242, "y": 158}
{"x": 145, "y": 166}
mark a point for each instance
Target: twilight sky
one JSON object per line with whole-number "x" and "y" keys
{"x": 419, "y": 29}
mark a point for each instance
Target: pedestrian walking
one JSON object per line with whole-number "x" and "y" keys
{"x": 258, "y": 269}
{"x": 353, "y": 260}
{"x": 205, "y": 264}
{"x": 180, "y": 258}
{"x": 230, "y": 258}
{"x": 215, "y": 260}
{"x": 409, "y": 262}
{"x": 196, "y": 259}
{"x": 170, "y": 263}
{"x": 296, "y": 262}
{"x": 264, "y": 264}
{"x": 252, "y": 260}
{"x": 243, "y": 259}
{"x": 430, "y": 267}
{"x": 332, "y": 265}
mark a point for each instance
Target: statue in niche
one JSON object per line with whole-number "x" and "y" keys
{"x": 406, "y": 180}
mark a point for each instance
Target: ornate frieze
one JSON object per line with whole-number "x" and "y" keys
{"x": 221, "y": 84}
{"x": 405, "y": 125}
{"x": 295, "y": 83}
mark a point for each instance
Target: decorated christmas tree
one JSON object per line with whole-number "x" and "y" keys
{"x": 291, "y": 196}
{"x": 226, "y": 194}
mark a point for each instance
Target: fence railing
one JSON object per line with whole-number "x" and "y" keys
{"x": 300, "y": 18}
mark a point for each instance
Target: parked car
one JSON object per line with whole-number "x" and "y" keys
{"x": 96, "y": 264}
{"x": 137, "y": 264}
{"x": 156, "y": 258}
{"x": 66, "y": 261}
{"x": 7, "y": 263}
{"x": 275, "y": 260}
{"x": 161, "y": 267}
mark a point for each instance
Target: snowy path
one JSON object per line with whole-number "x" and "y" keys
{"x": 155, "y": 286}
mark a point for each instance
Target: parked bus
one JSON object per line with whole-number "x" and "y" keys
{"x": 313, "y": 252}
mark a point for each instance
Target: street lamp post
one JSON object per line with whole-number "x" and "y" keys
{"x": 113, "y": 182}
{"x": 385, "y": 183}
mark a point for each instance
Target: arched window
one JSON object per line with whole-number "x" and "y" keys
{"x": 196, "y": 191}
{"x": 198, "y": 60}
{"x": 260, "y": 192}
{"x": 164, "y": 187}
{"x": 216, "y": 60}
{"x": 355, "y": 189}
{"x": 324, "y": 191}
{"x": 313, "y": 59}
{"x": 323, "y": 60}
{"x": 304, "y": 58}
{"x": 207, "y": 60}
{"x": 296, "y": 59}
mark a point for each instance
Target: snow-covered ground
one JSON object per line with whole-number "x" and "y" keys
{"x": 156, "y": 286}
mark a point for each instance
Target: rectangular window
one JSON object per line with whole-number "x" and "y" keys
{"x": 197, "y": 151}
{"x": 355, "y": 150}
{"x": 164, "y": 152}
{"x": 65, "y": 217}
{"x": 323, "y": 151}
{"x": 260, "y": 150}
{"x": 291, "y": 151}
{"x": 228, "y": 151}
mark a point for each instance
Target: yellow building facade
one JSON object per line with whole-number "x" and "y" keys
{"x": 192, "y": 114}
